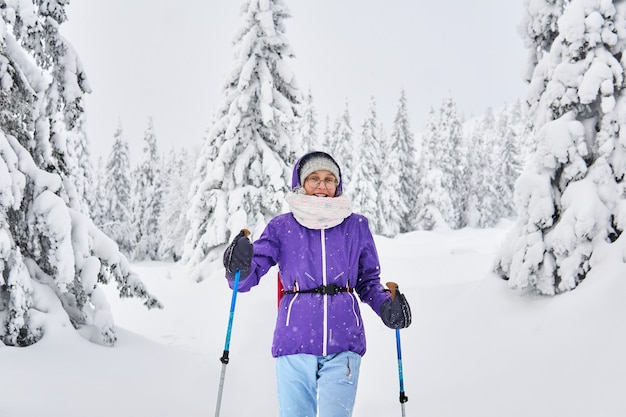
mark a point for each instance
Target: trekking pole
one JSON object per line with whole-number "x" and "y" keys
{"x": 224, "y": 358}
{"x": 403, "y": 398}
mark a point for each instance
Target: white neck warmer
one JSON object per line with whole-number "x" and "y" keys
{"x": 318, "y": 212}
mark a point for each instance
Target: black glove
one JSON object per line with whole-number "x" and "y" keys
{"x": 396, "y": 313}
{"x": 238, "y": 255}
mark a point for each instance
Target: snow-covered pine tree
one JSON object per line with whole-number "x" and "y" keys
{"x": 49, "y": 251}
{"x": 178, "y": 169}
{"x": 307, "y": 131}
{"x": 389, "y": 201}
{"x": 327, "y": 140}
{"x": 474, "y": 137}
{"x": 527, "y": 141}
{"x": 434, "y": 206}
{"x": 496, "y": 154}
{"x": 344, "y": 148}
{"x": 250, "y": 149}
{"x": 80, "y": 174}
{"x": 483, "y": 201}
{"x": 116, "y": 218}
{"x": 147, "y": 199}
{"x": 508, "y": 161}
{"x": 518, "y": 132}
{"x": 453, "y": 162}
{"x": 368, "y": 172}
{"x": 401, "y": 184}
{"x": 98, "y": 206}
{"x": 570, "y": 198}
{"x": 60, "y": 134}
{"x": 207, "y": 214}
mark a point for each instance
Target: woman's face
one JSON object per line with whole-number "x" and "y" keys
{"x": 320, "y": 183}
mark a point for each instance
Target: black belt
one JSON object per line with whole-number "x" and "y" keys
{"x": 330, "y": 289}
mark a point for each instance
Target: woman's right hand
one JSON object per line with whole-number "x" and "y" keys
{"x": 238, "y": 255}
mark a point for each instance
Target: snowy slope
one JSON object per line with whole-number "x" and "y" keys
{"x": 476, "y": 348}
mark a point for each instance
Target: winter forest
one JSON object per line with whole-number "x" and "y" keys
{"x": 150, "y": 213}
{"x": 552, "y": 161}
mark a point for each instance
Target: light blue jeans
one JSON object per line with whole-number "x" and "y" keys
{"x": 317, "y": 386}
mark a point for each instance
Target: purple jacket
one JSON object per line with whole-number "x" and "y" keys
{"x": 344, "y": 255}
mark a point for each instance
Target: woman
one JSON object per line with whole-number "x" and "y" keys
{"x": 325, "y": 254}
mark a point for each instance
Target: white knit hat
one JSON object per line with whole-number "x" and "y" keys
{"x": 318, "y": 162}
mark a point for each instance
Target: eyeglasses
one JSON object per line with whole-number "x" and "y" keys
{"x": 329, "y": 183}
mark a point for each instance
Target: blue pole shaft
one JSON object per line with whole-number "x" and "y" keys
{"x": 224, "y": 359}
{"x": 232, "y": 311}
{"x": 403, "y": 397}
{"x": 399, "y": 349}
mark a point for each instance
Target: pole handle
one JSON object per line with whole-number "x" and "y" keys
{"x": 393, "y": 287}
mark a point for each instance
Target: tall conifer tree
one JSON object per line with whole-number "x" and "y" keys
{"x": 49, "y": 248}
{"x": 452, "y": 162}
{"x": 484, "y": 203}
{"x": 403, "y": 179}
{"x": 307, "y": 132}
{"x": 147, "y": 199}
{"x": 116, "y": 218}
{"x": 434, "y": 207}
{"x": 368, "y": 172}
{"x": 249, "y": 151}
{"x": 173, "y": 222}
{"x": 570, "y": 198}
{"x": 344, "y": 146}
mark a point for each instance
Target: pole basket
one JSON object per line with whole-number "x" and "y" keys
{"x": 403, "y": 398}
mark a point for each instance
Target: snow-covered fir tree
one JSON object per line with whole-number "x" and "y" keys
{"x": 50, "y": 251}
{"x": 81, "y": 171}
{"x": 508, "y": 162}
{"x": 116, "y": 219}
{"x": 483, "y": 207}
{"x": 173, "y": 223}
{"x": 497, "y": 149}
{"x": 207, "y": 203}
{"x": 521, "y": 136}
{"x": 147, "y": 199}
{"x": 59, "y": 136}
{"x": 453, "y": 163}
{"x": 98, "y": 207}
{"x": 368, "y": 173}
{"x": 327, "y": 140}
{"x": 250, "y": 149}
{"x": 390, "y": 203}
{"x": 434, "y": 204}
{"x": 443, "y": 170}
{"x": 401, "y": 183}
{"x": 343, "y": 147}
{"x": 570, "y": 198}
{"x": 307, "y": 131}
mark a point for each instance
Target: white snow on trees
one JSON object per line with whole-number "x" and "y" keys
{"x": 570, "y": 197}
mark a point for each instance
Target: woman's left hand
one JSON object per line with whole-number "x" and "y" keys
{"x": 396, "y": 313}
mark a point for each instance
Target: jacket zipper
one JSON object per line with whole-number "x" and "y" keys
{"x": 289, "y": 309}
{"x": 325, "y": 329}
{"x": 295, "y": 288}
{"x": 356, "y": 316}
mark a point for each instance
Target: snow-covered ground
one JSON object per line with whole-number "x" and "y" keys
{"x": 476, "y": 348}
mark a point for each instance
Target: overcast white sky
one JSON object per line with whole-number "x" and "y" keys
{"x": 167, "y": 59}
